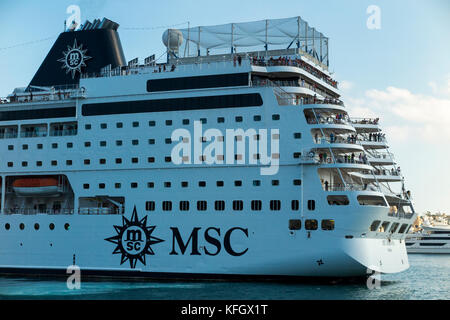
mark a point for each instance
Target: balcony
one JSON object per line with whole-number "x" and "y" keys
{"x": 381, "y": 159}
{"x": 348, "y": 187}
{"x": 380, "y": 175}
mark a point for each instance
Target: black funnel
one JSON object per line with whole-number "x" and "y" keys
{"x": 76, "y": 52}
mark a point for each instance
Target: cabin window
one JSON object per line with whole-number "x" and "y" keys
{"x": 167, "y": 205}
{"x": 238, "y": 205}
{"x": 297, "y": 182}
{"x": 311, "y": 205}
{"x": 184, "y": 205}
{"x": 338, "y": 200}
{"x": 219, "y": 205}
{"x": 151, "y": 159}
{"x": 374, "y": 226}
{"x": 372, "y": 201}
{"x": 119, "y": 125}
{"x": 403, "y": 228}
{"x": 219, "y": 183}
{"x": 134, "y": 185}
{"x": 257, "y": 118}
{"x": 184, "y": 184}
{"x": 295, "y": 205}
{"x": 151, "y": 123}
{"x": 327, "y": 225}
{"x": 167, "y": 184}
{"x": 384, "y": 226}
{"x": 201, "y": 205}
{"x": 134, "y": 160}
{"x": 256, "y": 205}
{"x": 135, "y": 124}
{"x": 295, "y": 224}
{"x": 394, "y": 227}
{"x": 150, "y": 185}
{"x": 311, "y": 224}
{"x": 275, "y": 205}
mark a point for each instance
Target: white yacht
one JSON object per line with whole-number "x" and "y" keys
{"x": 235, "y": 158}
{"x": 431, "y": 239}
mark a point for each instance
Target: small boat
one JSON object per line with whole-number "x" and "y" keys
{"x": 30, "y": 187}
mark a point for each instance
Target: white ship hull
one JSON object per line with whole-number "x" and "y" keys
{"x": 272, "y": 250}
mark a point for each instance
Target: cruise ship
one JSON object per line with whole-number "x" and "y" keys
{"x": 235, "y": 158}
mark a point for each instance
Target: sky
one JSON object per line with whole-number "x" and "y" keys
{"x": 399, "y": 72}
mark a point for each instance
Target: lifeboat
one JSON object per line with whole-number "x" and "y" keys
{"x": 29, "y": 187}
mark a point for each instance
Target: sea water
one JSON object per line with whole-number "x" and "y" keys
{"x": 427, "y": 278}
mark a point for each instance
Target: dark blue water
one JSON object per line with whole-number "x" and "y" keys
{"x": 428, "y": 278}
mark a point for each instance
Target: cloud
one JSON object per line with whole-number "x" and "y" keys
{"x": 346, "y": 85}
{"x": 406, "y": 113}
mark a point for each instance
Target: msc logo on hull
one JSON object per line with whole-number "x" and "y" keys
{"x": 134, "y": 241}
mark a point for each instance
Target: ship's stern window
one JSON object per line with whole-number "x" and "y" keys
{"x": 328, "y": 225}
{"x": 374, "y": 226}
{"x": 372, "y": 201}
{"x": 338, "y": 200}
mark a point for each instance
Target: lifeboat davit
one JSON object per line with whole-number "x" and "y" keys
{"x": 29, "y": 187}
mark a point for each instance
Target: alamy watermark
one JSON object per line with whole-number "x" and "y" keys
{"x": 74, "y": 20}
{"x": 74, "y": 280}
{"x": 215, "y": 147}
{"x": 374, "y": 19}
{"x": 373, "y": 280}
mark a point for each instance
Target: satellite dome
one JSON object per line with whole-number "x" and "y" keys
{"x": 175, "y": 37}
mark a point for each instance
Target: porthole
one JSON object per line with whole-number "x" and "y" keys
{"x": 36, "y": 226}
{"x": 22, "y": 226}
{"x": 51, "y": 226}
{"x": 67, "y": 226}
{"x": 7, "y": 226}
